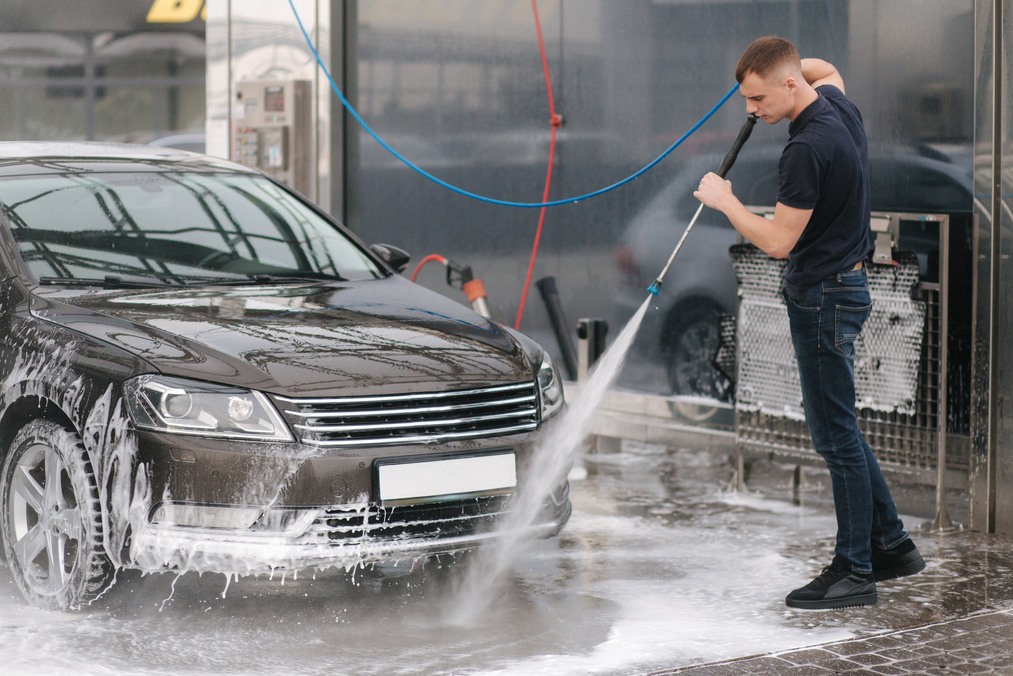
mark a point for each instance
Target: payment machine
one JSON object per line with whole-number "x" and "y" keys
{"x": 272, "y": 130}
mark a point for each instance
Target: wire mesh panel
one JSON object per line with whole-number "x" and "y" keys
{"x": 897, "y": 364}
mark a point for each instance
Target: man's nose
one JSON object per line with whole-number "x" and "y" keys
{"x": 751, "y": 108}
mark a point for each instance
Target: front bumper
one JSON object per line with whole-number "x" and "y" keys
{"x": 342, "y": 536}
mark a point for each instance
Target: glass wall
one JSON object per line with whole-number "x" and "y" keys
{"x": 109, "y": 70}
{"x": 457, "y": 86}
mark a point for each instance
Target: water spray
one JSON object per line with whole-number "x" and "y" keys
{"x": 726, "y": 164}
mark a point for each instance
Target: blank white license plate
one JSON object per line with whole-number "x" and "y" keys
{"x": 447, "y": 477}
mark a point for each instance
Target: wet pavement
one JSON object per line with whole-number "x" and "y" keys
{"x": 979, "y": 644}
{"x": 661, "y": 570}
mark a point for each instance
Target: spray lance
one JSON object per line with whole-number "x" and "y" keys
{"x": 726, "y": 164}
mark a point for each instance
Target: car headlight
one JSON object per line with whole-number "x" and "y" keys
{"x": 183, "y": 406}
{"x": 550, "y": 387}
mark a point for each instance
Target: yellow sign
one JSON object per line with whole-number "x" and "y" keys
{"x": 176, "y": 11}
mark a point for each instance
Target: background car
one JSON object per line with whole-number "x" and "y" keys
{"x": 700, "y": 286}
{"x": 202, "y": 371}
{"x": 195, "y": 142}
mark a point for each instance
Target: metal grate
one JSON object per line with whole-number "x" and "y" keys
{"x": 414, "y": 418}
{"x": 436, "y": 520}
{"x": 901, "y": 424}
{"x": 886, "y": 352}
{"x": 908, "y": 439}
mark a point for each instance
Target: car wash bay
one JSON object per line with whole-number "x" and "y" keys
{"x": 661, "y": 565}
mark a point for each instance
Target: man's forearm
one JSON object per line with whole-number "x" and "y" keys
{"x": 776, "y": 238}
{"x": 818, "y": 72}
{"x": 759, "y": 231}
{"x": 816, "y": 69}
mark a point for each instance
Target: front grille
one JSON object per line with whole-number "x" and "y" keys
{"x": 435, "y": 520}
{"x": 414, "y": 418}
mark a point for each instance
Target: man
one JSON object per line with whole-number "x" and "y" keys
{"x": 821, "y": 224}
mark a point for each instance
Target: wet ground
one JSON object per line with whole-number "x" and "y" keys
{"x": 659, "y": 568}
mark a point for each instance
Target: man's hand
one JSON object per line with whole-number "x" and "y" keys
{"x": 715, "y": 192}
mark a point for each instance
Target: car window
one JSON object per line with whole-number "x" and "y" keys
{"x": 173, "y": 225}
{"x": 896, "y": 187}
{"x": 759, "y": 189}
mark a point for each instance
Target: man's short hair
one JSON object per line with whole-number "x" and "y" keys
{"x": 765, "y": 56}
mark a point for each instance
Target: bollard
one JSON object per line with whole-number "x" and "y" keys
{"x": 590, "y": 344}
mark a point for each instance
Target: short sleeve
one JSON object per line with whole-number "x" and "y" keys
{"x": 798, "y": 176}
{"x": 830, "y": 91}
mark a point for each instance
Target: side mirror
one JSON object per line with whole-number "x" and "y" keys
{"x": 392, "y": 256}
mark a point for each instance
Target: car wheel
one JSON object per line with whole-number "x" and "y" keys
{"x": 52, "y": 524}
{"x": 691, "y": 342}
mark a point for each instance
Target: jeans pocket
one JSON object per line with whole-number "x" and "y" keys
{"x": 848, "y": 323}
{"x": 809, "y": 302}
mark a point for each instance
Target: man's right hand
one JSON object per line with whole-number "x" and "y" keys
{"x": 715, "y": 192}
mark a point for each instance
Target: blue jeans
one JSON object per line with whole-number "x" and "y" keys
{"x": 824, "y": 324}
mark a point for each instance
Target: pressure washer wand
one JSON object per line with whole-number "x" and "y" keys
{"x": 726, "y": 164}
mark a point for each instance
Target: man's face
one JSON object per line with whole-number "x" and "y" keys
{"x": 771, "y": 99}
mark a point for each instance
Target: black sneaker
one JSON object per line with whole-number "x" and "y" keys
{"x": 900, "y": 561}
{"x": 836, "y": 587}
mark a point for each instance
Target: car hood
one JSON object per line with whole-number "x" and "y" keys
{"x": 304, "y": 340}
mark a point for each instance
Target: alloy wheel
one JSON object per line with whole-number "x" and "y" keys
{"x": 52, "y": 520}
{"x": 45, "y": 519}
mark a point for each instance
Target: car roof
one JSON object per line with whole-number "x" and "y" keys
{"x": 18, "y": 157}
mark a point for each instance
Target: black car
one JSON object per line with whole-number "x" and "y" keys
{"x": 201, "y": 371}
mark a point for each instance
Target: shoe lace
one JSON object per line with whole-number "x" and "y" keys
{"x": 829, "y": 574}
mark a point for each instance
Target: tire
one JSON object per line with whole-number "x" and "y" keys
{"x": 691, "y": 342}
{"x": 51, "y": 519}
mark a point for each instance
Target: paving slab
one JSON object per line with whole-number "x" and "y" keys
{"x": 965, "y": 645}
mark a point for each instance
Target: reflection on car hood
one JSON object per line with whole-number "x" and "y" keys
{"x": 375, "y": 337}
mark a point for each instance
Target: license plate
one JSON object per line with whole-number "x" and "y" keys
{"x": 445, "y": 478}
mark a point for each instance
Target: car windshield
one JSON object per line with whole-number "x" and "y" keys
{"x": 173, "y": 228}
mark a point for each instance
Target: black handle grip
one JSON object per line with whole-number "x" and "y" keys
{"x": 740, "y": 141}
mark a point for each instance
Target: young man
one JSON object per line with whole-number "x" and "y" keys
{"x": 821, "y": 224}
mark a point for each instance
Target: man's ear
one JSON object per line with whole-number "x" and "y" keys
{"x": 791, "y": 83}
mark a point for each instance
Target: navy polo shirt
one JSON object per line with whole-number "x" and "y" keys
{"x": 825, "y": 167}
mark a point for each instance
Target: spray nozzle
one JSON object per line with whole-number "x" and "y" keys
{"x": 458, "y": 275}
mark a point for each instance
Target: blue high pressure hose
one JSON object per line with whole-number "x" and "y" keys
{"x": 482, "y": 198}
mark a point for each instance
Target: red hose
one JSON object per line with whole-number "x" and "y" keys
{"x": 428, "y": 259}
{"x": 555, "y": 120}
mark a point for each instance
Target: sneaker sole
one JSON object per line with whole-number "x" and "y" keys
{"x": 859, "y": 601}
{"x": 900, "y": 571}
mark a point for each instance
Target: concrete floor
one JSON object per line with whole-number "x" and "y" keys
{"x": 661, "y": 569}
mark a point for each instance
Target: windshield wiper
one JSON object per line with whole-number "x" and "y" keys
{"x": 108, "y": 282}
{"x": 257, "y": 279}
{"x": 304, "y": 277}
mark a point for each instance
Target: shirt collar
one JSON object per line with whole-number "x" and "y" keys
{"x": 808, "y": 113}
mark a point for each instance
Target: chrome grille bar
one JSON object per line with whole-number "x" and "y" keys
{"x": 410, "y": 397}
{"x": 414, "y": 418}
{"x": 414, "y": 423}
{"x": 409, "y": 411}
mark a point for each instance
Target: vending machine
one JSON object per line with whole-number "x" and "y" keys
{"x": 272, "y": 130}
